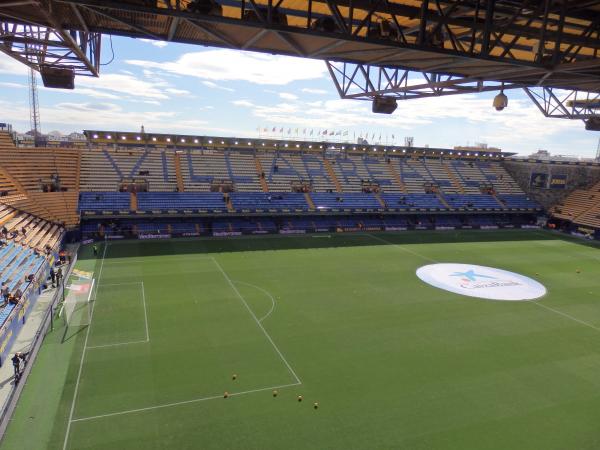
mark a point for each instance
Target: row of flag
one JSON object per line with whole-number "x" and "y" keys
{"x": 318, "y": 132}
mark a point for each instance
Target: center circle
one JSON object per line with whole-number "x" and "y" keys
{"x": 481, "y": 281}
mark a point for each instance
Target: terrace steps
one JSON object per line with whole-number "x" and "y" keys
{"x": 309, "y": 200}
{"x": 230, "y": 207}
{"x": 331, "y": 173}
{"x": 6, "y": 139}
{"x": 396, "y": 177}
{"x": 443, "y": 200}
{"x": 379, "y": 199}
{"x": 498, "y": 200}
{"x": 133, "y": 204}
{"x": 259, "y": 171}
{"x": 8, "y": 217}
{"x": 178, "y": 173}
{"x": 455, "y": 183}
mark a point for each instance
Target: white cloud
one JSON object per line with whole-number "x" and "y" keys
{"x": 244, "y": 103}
{"x": 288, "y": 96}
{"x": 123, "y": 84}
{"x": 229, "y": 65}
{"x": 159, "y": 44}
{"x": 12, "y": 85}
{"x": 10, "y": 66}
{"x": 175, "y": 91}
{"x": 315, "y": 91}
{"x": 212, "y": 85}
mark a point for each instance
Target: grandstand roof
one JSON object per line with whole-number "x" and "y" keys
{"x": 520, "y": 43}
{"x": 244, "y": 143}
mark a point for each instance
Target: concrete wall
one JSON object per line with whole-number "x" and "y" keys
{"x": 578, "y": 177}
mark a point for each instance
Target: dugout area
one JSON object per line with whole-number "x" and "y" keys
{"x": 340, "y": 320}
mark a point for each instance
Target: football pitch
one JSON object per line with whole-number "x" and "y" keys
{"x": 208, "y": 344}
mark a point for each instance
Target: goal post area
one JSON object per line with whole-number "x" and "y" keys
{"x": 76, "y": 309}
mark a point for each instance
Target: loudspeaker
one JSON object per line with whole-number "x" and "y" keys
{"x": 384, "y": 105}
{"x": 57, "y": 77}
{"x": 593, "y": 124}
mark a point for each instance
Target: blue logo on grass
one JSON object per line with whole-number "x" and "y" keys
{"x": 470, "y": 275}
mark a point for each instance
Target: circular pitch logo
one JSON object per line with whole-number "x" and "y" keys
{"x": 481, "y": 281}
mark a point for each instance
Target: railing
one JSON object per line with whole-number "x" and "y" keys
{"x": 9, "y": 405}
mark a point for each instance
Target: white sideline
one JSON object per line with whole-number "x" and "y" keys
{"x": 264, "y": 291}
{"x": 385, "y": 241}
{"x": 87, "y": 335}
{"x": 140, "y": 341}
{"x": 256, "y": 320}
{"x": 185, "y": 402}
{"x": 535, "y": 302}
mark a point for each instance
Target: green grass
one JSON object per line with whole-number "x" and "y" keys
{"x": 393, "y": 362}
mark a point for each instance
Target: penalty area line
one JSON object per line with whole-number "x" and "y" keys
{"x": 264, "y": 291}
{"x": 185, "y": 402}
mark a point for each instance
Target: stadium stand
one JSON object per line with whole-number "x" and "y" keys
{"x": 135, "y": 177}
{"x": 44, "y": 183}
{"x": 580, "y": 207}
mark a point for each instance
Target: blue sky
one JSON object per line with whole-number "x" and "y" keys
{"x": 198, "y": 90}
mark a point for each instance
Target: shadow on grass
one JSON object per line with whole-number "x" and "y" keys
{"x": 204, "y": 245}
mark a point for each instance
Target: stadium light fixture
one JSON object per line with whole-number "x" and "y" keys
{"x": 210, "y": 141}
{"x": 286, "y": 145}
{"x": 476, "y": 154}
{"x": 168, "y": 139}
{"x": 320, "y": 146}
{"x": 123, "y": 138}
{"x": 404, "y": 151}
{"x": 236, "y": 142}
{"x": 394, "y": 150}
{"x": 500, "y": 101}
{"x": 222, "y": 142}
{"x": 95, "y": 136}
{"x": 153, "y": 139}
{"x": 138, "y": 138}
{"x": 310, "y": 146}
{"x": 459, "y": 154}
{"x": 297, "y": 145}
{"x": 183, "y": 141}
{"x": 249, "y": 143}
{"x": 195, "y": 141}
{"x": 263, "y": 144}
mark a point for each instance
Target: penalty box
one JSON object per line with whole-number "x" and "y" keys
{"x": 195, "y": 341}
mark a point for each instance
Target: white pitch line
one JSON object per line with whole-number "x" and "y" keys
{"x": 264, "y": 291}
{"x": 127, "y": 283}
{"x": 118, "y": 344}
{"x": 568, "y": 316}
{"x": 256, "y": 320}
{"x": 385, "y": 241}
{"x": 185, "y": 402}
{"x": 87, "y": 335}
{"x": 145, "y": 312}
{"x": 168, "y": 257}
